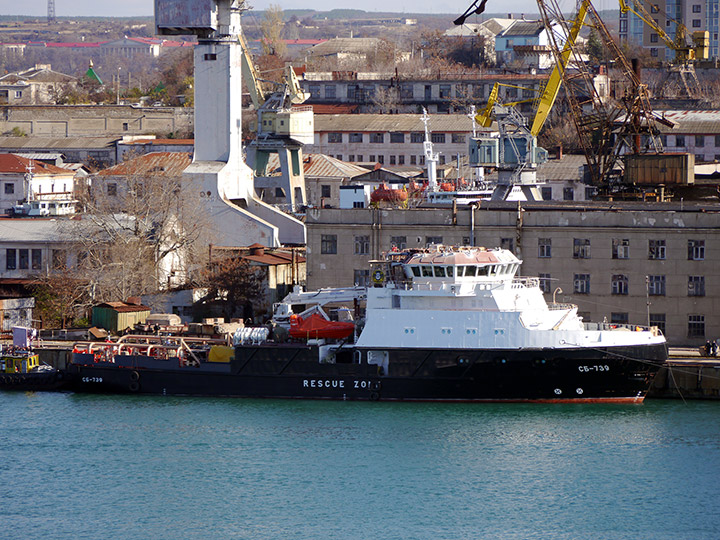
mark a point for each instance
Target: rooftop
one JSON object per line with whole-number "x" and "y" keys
{"x": 169, "y": 164}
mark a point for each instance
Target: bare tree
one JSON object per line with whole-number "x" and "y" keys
{"x": 272, "y": 31}
{"x": 233, "y": 285}
{"x": 142, "y": 232}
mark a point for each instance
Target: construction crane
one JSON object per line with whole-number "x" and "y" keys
{"x": 683, "y": 65}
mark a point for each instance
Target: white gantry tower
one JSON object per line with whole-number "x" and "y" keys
{"x": 218, "y": 170}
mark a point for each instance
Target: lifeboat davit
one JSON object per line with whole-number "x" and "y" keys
{"x": 385, "y": 193}
{"x": 318, "y": 327}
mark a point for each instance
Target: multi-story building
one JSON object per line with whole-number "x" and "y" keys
{"x": 437, "y": 93}
{"x": 694, "y": 132}
{"x": 635, "y": 264}
{"x": 34, "y": 86}
{"x": 695, "y": 15}
{"x": 389, "y": 139}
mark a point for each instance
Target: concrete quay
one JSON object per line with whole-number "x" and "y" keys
{"x": 687, "y": 375}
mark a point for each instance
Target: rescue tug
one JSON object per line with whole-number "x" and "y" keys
{"x": 441, "y": 324}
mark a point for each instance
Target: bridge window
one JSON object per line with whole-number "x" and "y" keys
{"x": 427, "y": 271}
{"x": 415, "y": 271}
{"x": 439, "y": 271}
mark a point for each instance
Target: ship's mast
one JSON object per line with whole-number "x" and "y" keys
{"x": 431, "y": 158}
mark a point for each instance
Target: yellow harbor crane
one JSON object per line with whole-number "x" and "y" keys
{"x": 682, "y": 66}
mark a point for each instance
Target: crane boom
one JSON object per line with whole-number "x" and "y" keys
{"x": 552, "y": 87}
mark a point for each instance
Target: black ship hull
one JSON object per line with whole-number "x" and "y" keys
{"x": 36, "y": 381}
{"x": 612, "y": 374}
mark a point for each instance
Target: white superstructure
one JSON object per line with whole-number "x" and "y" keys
{"x": 457, "y": 298}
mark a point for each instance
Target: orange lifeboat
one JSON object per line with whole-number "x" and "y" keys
{"x": 447, "y": 186}
{"x": 318, "y": 327}
{"x": 385, "y": 193}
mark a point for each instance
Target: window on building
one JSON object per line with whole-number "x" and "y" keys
{"x": 413, "y": 160}
{"x": 508, "y": 243}
{"x": 125, "y": 126}
{"x": 458, "y": 138}
{"x": 397, "y": 137}
{"x": 351, "y": 158}
{"x": 656, "y": 285}
{"x": 430, "y": 240}
{"x": 328, "y": 244}
{"x": 18, "y": 94}
{"x": 696, "y": 250}
{"x": 717, "y": 140}
{"x": 441, "y": 159}
{"x": 59, "y": 259}
{"x": 568, "y": 194}
{"x": 359, "y": 157}
{"x": 9, "y": 188}
{"x": 314, "y": 90}
{"x": 699, "y": 140}
{"x": 362, "y": 245}
{"x": 619, "y": 317}
{"x": 325, "y": 191}
{"x": 421, "y": 159}
{"x": 696, "y": 326}
{"x": 619, "y": 284}
{"x": 381, "y": 159}
{"x": 36, "y": 259}
{"x": 696, "y": 285}
{"x": 355, "y": 137}
{"x": 361, "y": 277}
{"x": 581, "y": 248}
{"x": 653, "y": 38}
{"x": 10, "y": 259}
{"x": 401, "y": 159}
{"x": 545, "y": 248}
{"x": 697, "y": 8}
{"x": 330, "y": 91}
{"x": 654, "y": 52}
{"x": 445, "y": 90}
{"x": 656, "y": 250}
{"x": 371, "y": 158}
{"x": 620, "y": 248}
{"x": 623, "y": 25}
{"x": 112, "y": 189}
{"x": 23, "y": 259}
{"x": 697, "y": 23}
{"x": 358, "y": 204}
{"x": 546, "y": 193}
{"x": 658, "y": 319}
{"x": 334, "y": 138}
{"x": 399, "y": 242}
{"x": 392, "y": 160}
{"x": 419, "y": 137}
{"x": 545, "y": 282}
{"x": 406, "y": 91}
{"x": 590, "y": 193}
{"x": 581, "y": 283}
{"x": 437, "y": 138}
{"x": 680, "y": 140}
{"x": 377, "y": 138}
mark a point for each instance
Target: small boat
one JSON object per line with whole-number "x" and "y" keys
{"x": 316, "y": 326}
{"x": 21, "y": 370}
{"x": 387, "y": 194}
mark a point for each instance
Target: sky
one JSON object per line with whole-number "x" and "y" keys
{"x": 127, "y": 8}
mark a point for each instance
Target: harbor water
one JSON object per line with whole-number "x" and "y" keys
{"x": 128, "y": 467}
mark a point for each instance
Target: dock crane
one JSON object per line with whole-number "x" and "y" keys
{"x": 283, "y": 127}
{"x": 514, "y": 151}
{"x": 683, "y": 65}
{"x": 606, "y": 129}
